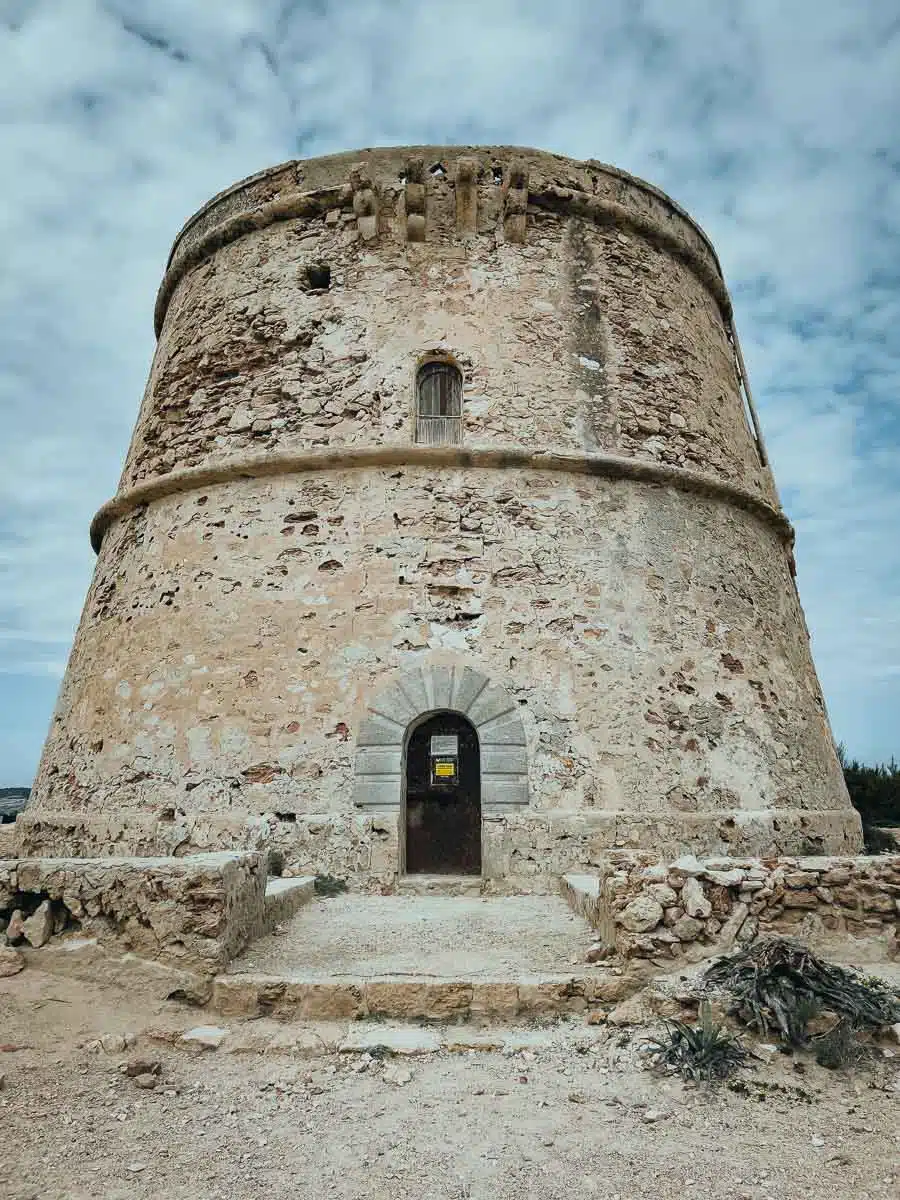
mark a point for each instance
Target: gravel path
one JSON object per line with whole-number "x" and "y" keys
{"x": 441, "y": 937}
{"x": 571, "y": 1115}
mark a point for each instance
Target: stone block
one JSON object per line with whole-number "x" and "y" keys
{"x": 418, "y": 1001}
{"x": 377, "y": 791}
{"x": 494, "y": 1001}
{"x": 502, "y": 790}
{"x": 687, "y": 929}
{"x": 379, "y": 730}
{"x": 548, "y": 998}
{"x": 693, "y": 900}
{"x": 322, "y": 1002}
{"x": 405, "y": 1040}
{"x": 379, "y": 761}
{"x": 504, "y": 760}
{"x": 643, "y": 913}
{"x": 234, "y": 996}
{"x": 467, "y": 684}
{"x": 38, "y": 928}
{"x": 11, "y": 962}
{"x": 506, "y": 730}
{"x": 491, "y": 703}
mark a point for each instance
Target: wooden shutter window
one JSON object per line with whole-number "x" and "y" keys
{"x": 439, "y": 404}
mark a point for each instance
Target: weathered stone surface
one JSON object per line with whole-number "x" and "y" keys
{"x": 418, "y": 1001}
{"x": 726, "y": 879}
{"x": 732, "y": 926}
{"x": 192, "y": 913}
{"x": 11, "y": 962}
{"x": 494, "y": 1001}
{"x": 402, "y": 1039}
{"x": 865, "y": 907}
{"x": 693, "y": 900}
{"x": 642, "y": 914}
{"x": 687, "y": 864}
{"x": 38, "y": 929}
{"x": 204, "y": 1037}
{"x": 634, "y": 1011}
{"x": 324, "y": 1001}
{"x": 663, "y": 894}
{"x": 15, "y": 930}
{"x": 322, "y": 552}
{"x": 686, "y": 929}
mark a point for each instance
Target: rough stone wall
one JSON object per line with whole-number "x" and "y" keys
{"x": 646, "y": 621}
{"x": 692, "y": 908}
{"x": 583, "y": 339}
{"x": 232, "y": 637}
{"x": 194, "y": 914}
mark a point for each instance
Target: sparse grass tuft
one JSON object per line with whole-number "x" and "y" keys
{"x": 841, "y": 1046}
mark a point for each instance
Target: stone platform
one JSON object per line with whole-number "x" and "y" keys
{"x": 423, "y": 957}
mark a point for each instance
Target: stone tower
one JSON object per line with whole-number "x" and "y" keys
{"x": 446, "y": 541}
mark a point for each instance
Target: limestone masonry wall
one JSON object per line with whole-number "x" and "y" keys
{"x": 232, "y": 637}
{"x": 692, "y": 908}
{"x": 585, "y": 338}
{"x": 606, "y": 547}
{"x": 191, "y": 914}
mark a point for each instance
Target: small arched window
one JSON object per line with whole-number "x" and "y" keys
{"x": 439, "y": 389}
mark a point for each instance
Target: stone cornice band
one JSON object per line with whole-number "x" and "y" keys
{"x": 259, "y": 466}
{"x": 555, "y": 199}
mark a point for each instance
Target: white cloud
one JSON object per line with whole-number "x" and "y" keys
{"x": 773, "y": 124}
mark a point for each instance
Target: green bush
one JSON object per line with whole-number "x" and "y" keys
{"x": 874, "y": 791}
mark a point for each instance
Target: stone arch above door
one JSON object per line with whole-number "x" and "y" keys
{"x": 378, "y": 768}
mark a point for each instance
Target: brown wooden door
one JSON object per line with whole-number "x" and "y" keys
{"x": 443, "y": 809}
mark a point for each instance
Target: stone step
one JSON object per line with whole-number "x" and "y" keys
{"x": 539, "y": 997}
{"x": 284, "y": 897}
{"x": 440, "y": 885}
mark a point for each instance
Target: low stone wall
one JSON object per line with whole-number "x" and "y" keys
{"x": 692, "y": 908}
{"x": 523, "y": 851}
{"x": 193, "y": 914}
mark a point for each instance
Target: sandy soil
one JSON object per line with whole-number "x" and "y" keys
{"x": 565, "y": 1112}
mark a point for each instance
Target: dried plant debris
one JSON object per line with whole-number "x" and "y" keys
{"x": 779, "y": 984}
{"x": 842, "y": 1046}
{"x": 706, "y": 1051}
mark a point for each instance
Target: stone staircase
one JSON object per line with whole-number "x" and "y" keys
{"x": 420, "y": 956}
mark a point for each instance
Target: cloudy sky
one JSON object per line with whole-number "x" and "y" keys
{"x": 773, "y": 121}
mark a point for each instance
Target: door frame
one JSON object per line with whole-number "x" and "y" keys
{"x": 404, "y": 777}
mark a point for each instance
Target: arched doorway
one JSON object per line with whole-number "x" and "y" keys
{"x": 443, "y": 797}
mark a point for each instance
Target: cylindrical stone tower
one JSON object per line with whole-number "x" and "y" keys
{"x": 446, "y": 541}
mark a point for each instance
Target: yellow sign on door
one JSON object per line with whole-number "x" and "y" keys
{"x": 444, "y": 770}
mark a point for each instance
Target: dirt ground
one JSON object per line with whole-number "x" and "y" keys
{"x": 561, "y": 1112}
